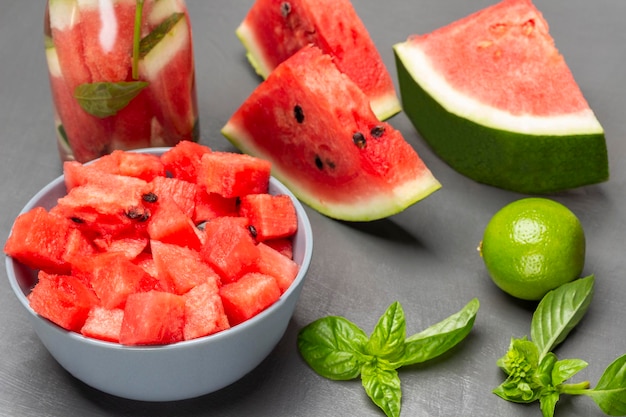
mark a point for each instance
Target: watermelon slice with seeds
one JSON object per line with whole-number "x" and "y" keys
{"x": 496, "y": 100}
{"x": 273, "y": 30}
{"x": 324, "y": 142}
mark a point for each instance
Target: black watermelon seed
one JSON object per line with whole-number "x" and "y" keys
{"x": 252, "y": 230}
{"x": 285, "y": 8}
{"x": 150, "y": 198}
{"x": 359, "y": 140}
{"x": 77, "y": 220}
{"x": 318, "y": 162}
{"x": 377, "y": 131}
{"x": 298, "y": 113}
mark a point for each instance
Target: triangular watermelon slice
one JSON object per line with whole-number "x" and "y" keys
{"x": 496, "y": 100}
{"x": 316, "y": 127}
{"x": 273, "y": 30}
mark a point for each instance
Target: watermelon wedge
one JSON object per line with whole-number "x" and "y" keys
{"x": 316, "y": 127}
{"x": 495, "y": 99}
{"x": 273, "y": 30}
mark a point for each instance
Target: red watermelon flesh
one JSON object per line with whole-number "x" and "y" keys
{"x": 515, "y": 24}
{"x": 326, "y": 145}
{"x": 274, "y": 30}
{"x": 204, "y": 311}
{"x": 39, "y": 240}
{"x": 63, "y": 299}
{"x": 272, "y": 216}
{"x": 96, "y": 255}
{"x": 248, "y": 296}
{"x": 107, "y": 36}
{"x": 181, "y": 268}
{"x": 183, "y": 160}
{"x": 153, "y": 318}
{"x": 233, "y": 175}
{"x": 103, "y": 324}
{"x": 274, "y": 263}
{"x": 172, "y": 91}
{"x": 229, "y": 247}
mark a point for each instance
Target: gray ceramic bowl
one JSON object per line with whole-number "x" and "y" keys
{"x": 173, "y": 372}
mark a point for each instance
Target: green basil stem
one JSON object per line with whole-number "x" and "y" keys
{"x": 137, "y": 39}
{"x": 575, "y": 389}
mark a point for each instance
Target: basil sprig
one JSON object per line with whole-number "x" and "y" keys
{"x": 338, "y": 349}
{"x": 535, "y": 374}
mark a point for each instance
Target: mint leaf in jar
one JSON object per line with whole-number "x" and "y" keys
{"x": 104, "y": 99}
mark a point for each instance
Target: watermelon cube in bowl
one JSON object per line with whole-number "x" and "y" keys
{"x": 165, "y": 372}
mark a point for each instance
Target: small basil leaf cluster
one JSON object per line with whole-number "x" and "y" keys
{"x": 339, "y": 350}
{"x": 535, "y": 374}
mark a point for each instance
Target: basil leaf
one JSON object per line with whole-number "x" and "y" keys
{"x": 546, "y": 367}
{"x": 104, "y": 99}
{"x": 387, "y": 339}
{"x": 559, "y": 312}
{"x": 565, "y": 369}
{"x": 441, "y": 337}
{"x": 610, "y": 392}
{"x": 548, "y": 403}
{"x": 383, "y": 387}
{"x": 333, "y": 346}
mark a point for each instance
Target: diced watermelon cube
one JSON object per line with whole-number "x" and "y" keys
{"x": 229, "y": 247}
{"x": 114, "y": 278}
{"x": 248, "y": 296}
{"x": 153, "y": 318}
{"x": 204, "y": 311}
{"x": 131, "y": 164}
{"x": 183, "y": 160}
{"x": 104, "y": 324}
{"x": 181, "y": 268}
{"x": 212, "y": 205}
{"x": 272, "y": 262}
{"x": 62, "y": 299}
{"x": 170, "y": 224}
{"x": 234, "y": 175}
{"x": 283, "y": 245}
{"x": 183, "y": 193}
{"x": 129, "y": 244}
{"x": 106, "y": 207}
{"x": 39, "y": 240}
{"x": 272, "y": 216}
{"x": 77, "y": 245}
{"x": 146, "y": 262}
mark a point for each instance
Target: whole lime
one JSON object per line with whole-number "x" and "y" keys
{"x": 532, "y": 246}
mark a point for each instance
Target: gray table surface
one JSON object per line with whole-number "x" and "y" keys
{"x": 424, "y": 257}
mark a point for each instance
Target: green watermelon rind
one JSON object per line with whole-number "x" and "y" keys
{"x": 545, "y": 161}
{"x": 373, "y": 208}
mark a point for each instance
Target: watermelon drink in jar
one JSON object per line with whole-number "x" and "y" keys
{"x": 121, "y": 75}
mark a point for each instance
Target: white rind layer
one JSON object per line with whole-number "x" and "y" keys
{"x": 420, "y": 68}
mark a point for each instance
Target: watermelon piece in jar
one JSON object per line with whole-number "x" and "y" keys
{"x": 167, "y": 64}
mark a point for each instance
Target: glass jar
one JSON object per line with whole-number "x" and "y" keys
{"x": 121, "y": 74}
